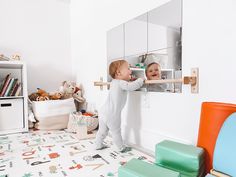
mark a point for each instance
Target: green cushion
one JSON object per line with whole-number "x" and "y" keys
{"x": 188, "y": 173}
{"x": 139, "y": 168}
{"x": 186, "y": 159}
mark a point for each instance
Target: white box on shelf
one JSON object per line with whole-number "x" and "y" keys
{"x": 10, "y": 111}
{"x": 52, "y": 114}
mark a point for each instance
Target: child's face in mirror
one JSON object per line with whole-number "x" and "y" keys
{"x": 153, "y": 72}
{"x": 125, "y": 72}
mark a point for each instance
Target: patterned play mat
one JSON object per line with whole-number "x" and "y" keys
{"x": 59, "y": 154}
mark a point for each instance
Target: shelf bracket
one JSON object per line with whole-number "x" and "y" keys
{"x": 193, "y": 80}
{"x": 102, "y": 84}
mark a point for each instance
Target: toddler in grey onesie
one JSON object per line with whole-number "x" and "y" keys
{"x": 110, "y": 112}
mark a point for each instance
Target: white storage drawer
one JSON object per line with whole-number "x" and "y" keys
{"x": 11, "y": 114}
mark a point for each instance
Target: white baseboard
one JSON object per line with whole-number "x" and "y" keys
{"x": 145, "y": 140}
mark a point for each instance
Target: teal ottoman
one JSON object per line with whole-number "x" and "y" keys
{"x": 139, "y": 168}
{"x": 188, "y": 160}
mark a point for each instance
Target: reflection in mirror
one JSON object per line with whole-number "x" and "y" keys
{"x": 152, "y": 46}
{"x": 164, "y": 42}
{"x": 153, "y": 72}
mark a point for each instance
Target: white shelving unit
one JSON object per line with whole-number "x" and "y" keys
{"x": 14, "y": 109}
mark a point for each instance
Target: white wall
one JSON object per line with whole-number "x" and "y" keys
{"x": 208, "y": 43}
{"x": 38, "y": 30}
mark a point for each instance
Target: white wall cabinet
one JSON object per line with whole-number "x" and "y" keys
{"x": 136, "y": 36}
{"x": 115, "y": 42}
{"x": 13, "y": 107}
{"x": 164, "y": 25}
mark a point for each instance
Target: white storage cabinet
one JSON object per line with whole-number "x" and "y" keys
{"x": 14, "y": 109}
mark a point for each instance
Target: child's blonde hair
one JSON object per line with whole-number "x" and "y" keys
{"x": 114, "y": 66}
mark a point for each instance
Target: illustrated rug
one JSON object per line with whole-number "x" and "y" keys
{"x": 60, "y": 154}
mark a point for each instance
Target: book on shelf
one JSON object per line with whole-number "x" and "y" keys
{"x": 9, "y": 87}
{"x": 18, "y": 91}
{"x": 4, "y": 83}
{"x": 1, "y": 85}
{"x": 13, "y": 87}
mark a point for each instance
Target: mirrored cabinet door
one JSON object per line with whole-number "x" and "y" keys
{"x": 152, "y": 46}
{"x": 164, "y": 24}
{"x": 115, "y": 43}
{"x": 164, "y": 33}
{"x": 136, "y": 36}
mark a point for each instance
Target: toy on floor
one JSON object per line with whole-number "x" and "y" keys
{"x": 82, "y": 125}
{"x": 213, "y": 115}
{"x": 40, "y": 95}
{"x": 188, "y": 160}
{"x": 83, "y": 133}
{"x": 224, "y": 158}
{"x": 77, "y": 118}
{"x": 68, "y": 88}
{"x": 78, "y": 95}
{"x": 139, "y": 168}
{"x": 79, "y": 100}
{"x": 55, "y": 95}
{"x": 172, "y": 159}
{"x": 43, "y": 95}
{"x": 66, "y": 91}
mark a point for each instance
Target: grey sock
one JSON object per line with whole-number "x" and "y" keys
{"x": 125, "y": 149}
{"x": 102, "y": 147}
